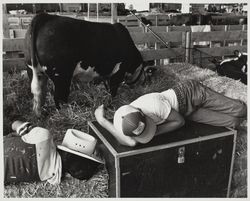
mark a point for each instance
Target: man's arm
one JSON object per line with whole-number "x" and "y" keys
{"x": 122, "y": 139}
{"x": 173, "y": 122}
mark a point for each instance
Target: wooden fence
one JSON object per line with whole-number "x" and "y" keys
{"x": 156, "y": 20}
{"x": 165, "y": 19}
{"x": 22, "y": 21}
{"x": 181, "y": 44}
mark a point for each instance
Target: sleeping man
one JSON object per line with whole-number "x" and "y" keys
{"x": 30, "y": 154}
{"x": 159, "y": 113}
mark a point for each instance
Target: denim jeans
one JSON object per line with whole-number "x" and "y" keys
{"x": 204, "y": 105}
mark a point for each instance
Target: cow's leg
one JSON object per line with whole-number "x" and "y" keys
{"x": 106, "y": 83}
{"x": 62, "y": 88}
{"x": 115, "y": 80}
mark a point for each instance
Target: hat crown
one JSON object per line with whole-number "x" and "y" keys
{"x": 133, "y": 124}
{"x": 79, "y": 141}
{"x": 131, "y": 121}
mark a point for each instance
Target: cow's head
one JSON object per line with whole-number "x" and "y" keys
{"x": 119, "y": 75}
{"x": 140, "y": 76}
{"x": 38, "y": 88}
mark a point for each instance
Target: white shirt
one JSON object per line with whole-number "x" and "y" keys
{"x": 48, "y": 159}
{"x": 157, "y": 105}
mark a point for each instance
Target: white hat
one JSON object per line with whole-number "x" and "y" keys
{"x": 130, "y": 121}
{"x": 81, "y": 144}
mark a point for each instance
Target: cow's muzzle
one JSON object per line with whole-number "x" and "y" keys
{"x": 38, "y": 102}
{"x": 37, "y": 107}
{"x": 38, "y": 89}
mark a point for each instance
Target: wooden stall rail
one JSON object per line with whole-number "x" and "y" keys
{"x": 20, "y": 21}
{"x": 19, "y": 32}
{"x": 16, "y": 24}
{"x": 13, "y": 56}
{"x": 228, "y": 18}
{"x": 181, "y": 45}
{"x": 232, "y": 40}
{"x": 165, "y": 19}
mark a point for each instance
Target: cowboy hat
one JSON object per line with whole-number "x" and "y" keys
{"x": 81, "y": 144}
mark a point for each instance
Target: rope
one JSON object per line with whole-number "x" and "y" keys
{"x": 147, "y": 26}
{"x": 156, "y": 35}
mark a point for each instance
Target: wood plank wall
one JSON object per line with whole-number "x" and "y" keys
{"x": 180, "y": 40}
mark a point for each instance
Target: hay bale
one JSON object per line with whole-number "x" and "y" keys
{"x": 222, "y": 84}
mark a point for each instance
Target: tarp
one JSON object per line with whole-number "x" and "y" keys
{"x": 201, "y": 28}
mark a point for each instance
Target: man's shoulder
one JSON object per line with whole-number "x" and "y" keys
{"x": 147, "y": 96}
{"x": 147, "y": 101}
{"x": 37, "y": 135}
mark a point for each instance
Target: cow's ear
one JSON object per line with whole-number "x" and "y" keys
{"x": 116, "y": 68}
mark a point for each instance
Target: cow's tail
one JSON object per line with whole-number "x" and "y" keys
{"x": 36, "y": 23}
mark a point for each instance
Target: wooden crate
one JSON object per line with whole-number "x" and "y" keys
{"x": 194, "y": 161}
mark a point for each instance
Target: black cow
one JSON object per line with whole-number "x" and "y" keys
{"x": 57, "y": 47}
{"x": 234, "y": 68}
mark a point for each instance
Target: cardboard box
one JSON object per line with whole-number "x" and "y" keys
{"x": 194, "y": 161}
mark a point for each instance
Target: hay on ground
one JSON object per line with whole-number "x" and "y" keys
{"x": 83, "y": 100}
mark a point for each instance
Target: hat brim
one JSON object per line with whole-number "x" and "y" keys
{"x": 92, "y": 157}
{"x": 148, "y": 132}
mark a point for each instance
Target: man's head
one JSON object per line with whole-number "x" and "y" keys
{"x": 78, "y": 167}
{"x": 79, "y": 154}
{"x": 131, "y": 121}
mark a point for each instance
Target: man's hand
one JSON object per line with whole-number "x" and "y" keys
{"x": 121, "y": 138}
{"x": 100, "y": 113}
